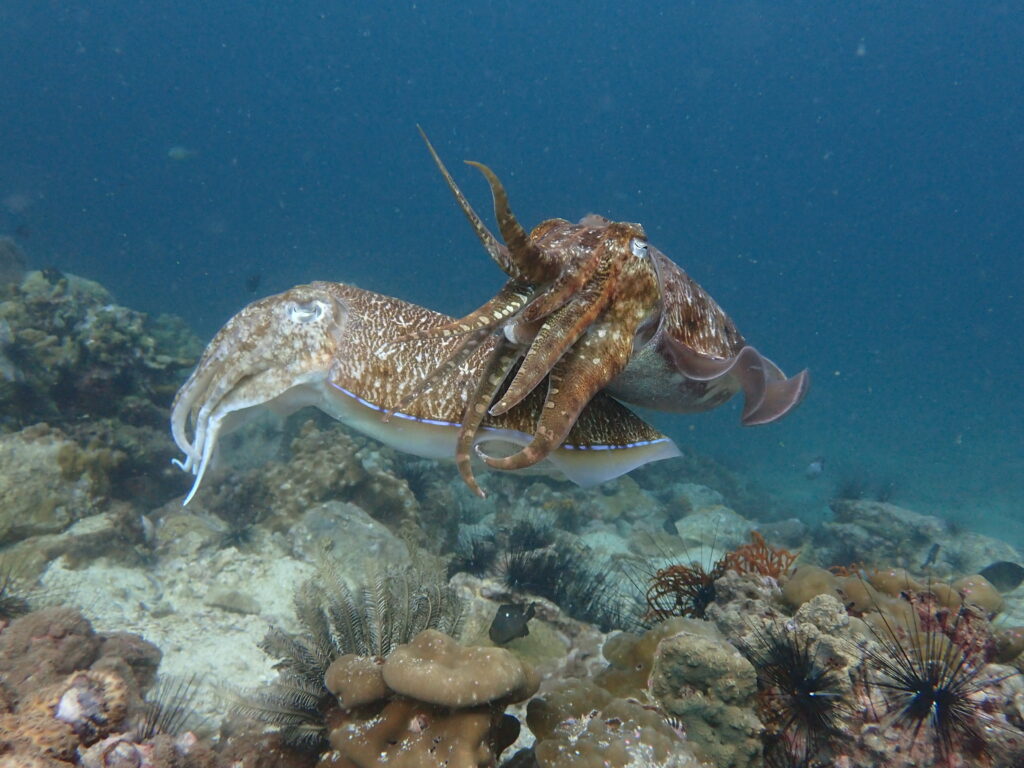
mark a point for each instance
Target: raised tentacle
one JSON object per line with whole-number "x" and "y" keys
{"x": 526, "y": 259}
{"x": 496, "y": 249}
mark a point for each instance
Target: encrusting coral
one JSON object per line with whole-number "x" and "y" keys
{"x": 436, "y": 703}
{"x": 580, "y": 725}
{"x": 74, "y": 353}
{"x": 339, "y": 623}
{"x": 71, "y": 697}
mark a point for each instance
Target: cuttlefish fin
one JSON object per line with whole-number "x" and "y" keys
{"x": 768, "y": 394}
{"x": 609, "y": 441}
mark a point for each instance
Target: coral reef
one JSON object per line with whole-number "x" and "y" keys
{"x": 800, "y": 694}
{"x": 440, "y": 703}
{"x": 85, "y": 385}
{"x": 369, "y": 623}
{"x": 891, "y": 659}
{"x": 73, "y": 697}
{"x": 688, "y": 590}
{"x": 326, "y": 463}
{"x": 580, "y": 725}
{"x": 882, "y": 534}
{"x": 77, "y": 354}
{"x": 704, "y": 681}
{"x": 571, "y": 577}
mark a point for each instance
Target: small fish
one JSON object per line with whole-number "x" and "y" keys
{"x": 815, "y": 468}
{"x": 52, "y": 275}
{"x": 1004, "y": 575}
{"x": 933, "y": 553}
{"x": 252, "y": 282}
{"x": 511, "y": 622}
{"x": 179, "y": 153}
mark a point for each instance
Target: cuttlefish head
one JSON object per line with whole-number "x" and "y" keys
{"x": 697, "y": 359}
{"x": 277, "y": 348}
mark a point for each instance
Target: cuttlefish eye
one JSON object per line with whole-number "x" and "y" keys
{"x": 305, "y": 313}
{"x": 638, "y": 247}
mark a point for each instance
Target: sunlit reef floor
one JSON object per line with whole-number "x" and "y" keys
{"x": 91, "y": 518}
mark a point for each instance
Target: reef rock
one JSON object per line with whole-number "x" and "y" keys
{"x": 344, "y": 527}
{"x": 71, "y": 352}
{"x": 713, "y": 529}
{"x": 699, "y": 677}
{"x": 878, "y": 533}
{"x": 36, "y": 495}
{"x": 579, "y": 725}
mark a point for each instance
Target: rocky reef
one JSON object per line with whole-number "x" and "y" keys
{"x": 337, "y": 598}
{"x": 84, "y": 389}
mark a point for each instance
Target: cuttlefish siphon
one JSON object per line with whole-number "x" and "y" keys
{"x": 346, "y": 351}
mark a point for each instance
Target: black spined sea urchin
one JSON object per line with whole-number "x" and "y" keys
{"x": 802, "y": 701}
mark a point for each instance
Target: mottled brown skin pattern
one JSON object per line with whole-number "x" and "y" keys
{"x": 587, "y": 341}
{"x": 351, "y": 338}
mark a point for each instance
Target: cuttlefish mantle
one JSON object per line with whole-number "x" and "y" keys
{"x": 337, "y": 347}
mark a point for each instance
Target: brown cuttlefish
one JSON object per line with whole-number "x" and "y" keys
{"x": 336, "y": 347}
{"x": 592, "y": 307}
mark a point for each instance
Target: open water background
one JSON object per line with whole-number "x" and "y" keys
{"x": 847, "y": 179}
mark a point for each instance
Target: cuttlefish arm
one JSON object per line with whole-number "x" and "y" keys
{"x": 336, "y": 347}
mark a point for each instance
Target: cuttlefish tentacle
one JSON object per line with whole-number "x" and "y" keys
{"x": 496, "y": 370}
{"x": 335, "y": 347}
{"x": 528, "y": 261}
{"x": 496, "y": 249}
{"x": 501, "y": 309}
{"x": 572, "y": 382}
{"x": 605, "y": 310}
{"x": 197, "y": 402}
{"x": 568, "y": 276}
{"x": 558, "y": 333}
{"x": 244, "y": 359}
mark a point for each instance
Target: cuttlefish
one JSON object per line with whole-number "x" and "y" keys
{"x": 340, "y": 349}
{"x": 592, "y": 307}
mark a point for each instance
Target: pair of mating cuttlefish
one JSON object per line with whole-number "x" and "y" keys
{"x": 591, "y": 315}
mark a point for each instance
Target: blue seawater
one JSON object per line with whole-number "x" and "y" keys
{"x": 845, "y": 178}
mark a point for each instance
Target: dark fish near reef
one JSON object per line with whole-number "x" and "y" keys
{"x": 511, "y": 622}
{"x": 1004, "y": 575}
{"x": 933, "y": 553}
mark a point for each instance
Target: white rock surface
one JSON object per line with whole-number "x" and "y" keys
{"x": 167, "y": 605}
